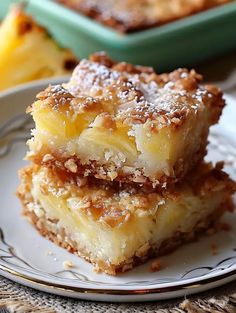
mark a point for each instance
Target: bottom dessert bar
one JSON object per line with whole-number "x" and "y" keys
{"x": 118, "y": 227}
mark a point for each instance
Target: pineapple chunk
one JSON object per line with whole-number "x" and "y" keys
{"x": 27, "y": 52}
{"x": 59, "y": 124}
{"x": 116, "y": 145}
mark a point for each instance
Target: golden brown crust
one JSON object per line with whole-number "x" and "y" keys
{"x": 56, "y": 162}
{"x": 133, "y": 15}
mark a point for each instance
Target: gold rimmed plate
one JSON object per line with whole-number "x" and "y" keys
{"x": 34, "y": 261}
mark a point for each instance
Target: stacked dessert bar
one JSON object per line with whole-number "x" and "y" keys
{"x": 117, "y": 173}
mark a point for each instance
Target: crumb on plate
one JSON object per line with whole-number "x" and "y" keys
{"x": 68, "y": 264}
{"x": 155, "y": 266}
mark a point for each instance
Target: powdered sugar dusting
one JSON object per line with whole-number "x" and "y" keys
{"x": 90, "y": 77}
{"x": 135, "y": 96}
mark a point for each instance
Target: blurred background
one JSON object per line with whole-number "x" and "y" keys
{"x": 47, "y": 38}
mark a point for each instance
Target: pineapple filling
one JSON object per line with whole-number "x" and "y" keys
{"x": 153, "y": 152}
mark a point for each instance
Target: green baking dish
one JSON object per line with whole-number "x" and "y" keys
{"x": 4, "y": 6}
{"x": 181, "y": 43}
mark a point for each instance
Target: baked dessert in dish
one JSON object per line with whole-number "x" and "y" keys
{"x": 116, "y": 121}
{"x": 133, "y": 15}
{"x": 28, "y": 52}
{"x": 117, "y": 227}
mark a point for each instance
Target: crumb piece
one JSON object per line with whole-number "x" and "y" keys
{"x": 39, "y": 212}
{"x": 225, "y": 226}
{"x": 71, "y": 165}
{"x": 127, "y": 267}
{"x": 211, "y": 231}
{"x": 68, "y": 264}
{"x": 49, "y": 252}
{"x": 143, "y": 250}
{"x": 112, "y": 175}
{"x": 164, "y": 185}
{"x": 108, "y": 122}
{"x": 155, "y": 266}
{"x": 87, "y": 172}
{"x": 47, "y": 157}
{"x": 55, "y": 259}
{"x": 214, "y": 249}
{"x": 97, "y": 270}
{"x": 58, "y": 164}
{"x": 139, "y": 179}
{"x": 81, "y": 181}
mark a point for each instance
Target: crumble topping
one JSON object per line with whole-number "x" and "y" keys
{"x": 132, "y": 94}
{"x": 114, "y": 204}
{"x": 55, "y": 95}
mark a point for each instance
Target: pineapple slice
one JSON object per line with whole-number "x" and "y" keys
{"x": 27, "y": 52}
{"x": 101, "y": 143}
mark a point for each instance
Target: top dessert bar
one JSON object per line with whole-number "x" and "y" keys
{"x": 117, "y": 121}
{"x": 133, "y": 15}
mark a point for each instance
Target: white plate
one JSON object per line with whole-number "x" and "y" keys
{"x": 23, "y": 252}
